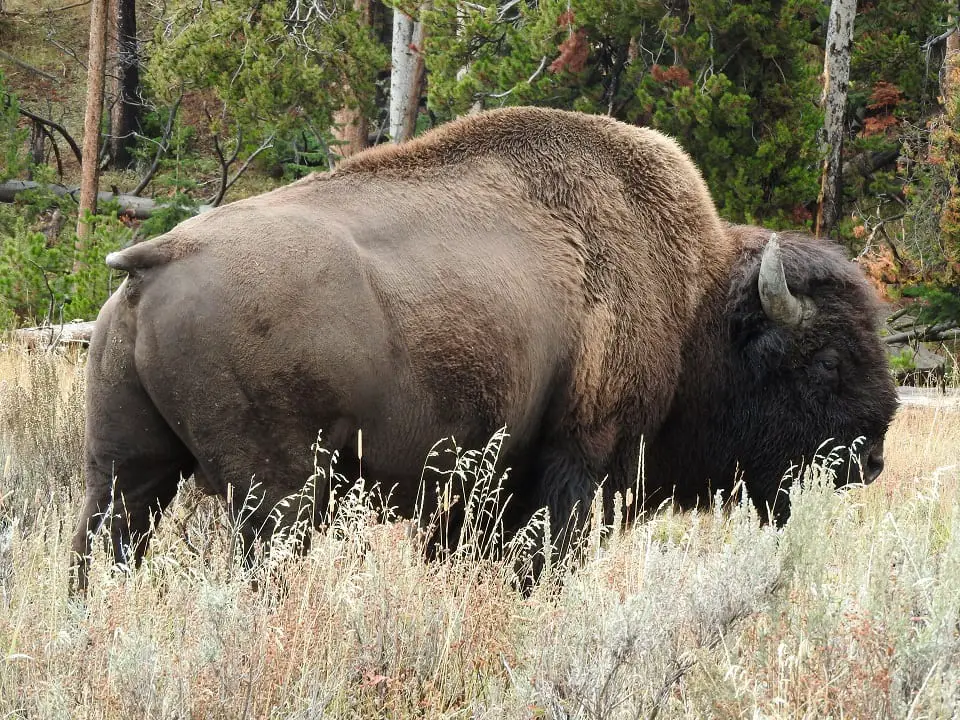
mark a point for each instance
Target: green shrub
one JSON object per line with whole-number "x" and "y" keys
{"x": 47, "y": 278}
{"x": 13, "y": 153}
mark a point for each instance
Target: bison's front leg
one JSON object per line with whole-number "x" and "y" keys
{"x": 566, "y": 487}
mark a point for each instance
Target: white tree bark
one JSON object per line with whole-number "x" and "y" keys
{"x": 836, "y": 75}
{"x": 406, "y": 75}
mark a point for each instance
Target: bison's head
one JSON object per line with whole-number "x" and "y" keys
{"x": 788, "y": 364}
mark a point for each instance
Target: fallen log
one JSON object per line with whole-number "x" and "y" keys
{"x": 928, "y": 333}
{"x": 133, "y": 205}
{"x": 49, "y": 336}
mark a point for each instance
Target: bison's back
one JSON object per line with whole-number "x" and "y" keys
{"x": 426, "y": 319}
{"x": 534, "y": 269}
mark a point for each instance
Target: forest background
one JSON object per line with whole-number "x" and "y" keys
{"x": 208, "y": 101}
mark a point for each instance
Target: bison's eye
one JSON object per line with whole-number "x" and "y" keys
{"x": 829, "y": 362}
{"x": 826, "y": 368}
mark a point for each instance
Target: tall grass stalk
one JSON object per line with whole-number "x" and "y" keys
{"x": 852, "y": 610}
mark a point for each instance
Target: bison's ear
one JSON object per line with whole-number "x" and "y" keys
{"x": 779, "y": 304}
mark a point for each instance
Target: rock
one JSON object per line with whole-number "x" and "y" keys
{"x": 918, "y": 366}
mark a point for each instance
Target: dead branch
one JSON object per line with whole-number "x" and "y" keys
{"x": 53, "y": 295}
{"x": 132, "y": 205}
{"x": 161, "y": 149}
{"x": 940, "y": 38}
{"x": 56, "y": 149}
{"x": 66, "y": 51}
{"x": 224, "y": 165}
{"x": 880, "y": 227}
{"x": 543, "y": 64}
{"x": 27, "y": 66}
{"x": 54, "y": 126}
{"x": 265, "y": 145}
{"x": 227, "y": 182}
{"x": 928, "y": 333}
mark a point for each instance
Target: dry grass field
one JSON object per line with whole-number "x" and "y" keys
{"x": 850, "y": 611}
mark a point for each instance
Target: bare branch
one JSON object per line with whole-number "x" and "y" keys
{"x": 55, "y": 126}
{"x": 66, "y": 51}
{"x": 53, "y": 295}
{"x": 28, "y": 67}
{"x": 940, "y": 38}
{"x": 265, "y": 145}
{"x": 161, "y": 149}
{"x": 225, "y": 165}
{"x": 56, "y": 149}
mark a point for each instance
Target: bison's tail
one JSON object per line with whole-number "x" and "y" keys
{"x": 139, "y": 257}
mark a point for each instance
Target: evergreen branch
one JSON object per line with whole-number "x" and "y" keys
{"x": 543, "y": 64}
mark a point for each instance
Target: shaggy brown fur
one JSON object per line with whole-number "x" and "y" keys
{"x": 523, "y": 267}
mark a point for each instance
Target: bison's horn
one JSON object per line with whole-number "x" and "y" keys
{"x": 779, "y": 304}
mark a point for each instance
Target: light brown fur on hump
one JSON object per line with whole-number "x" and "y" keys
{"x": 653, "y": 242}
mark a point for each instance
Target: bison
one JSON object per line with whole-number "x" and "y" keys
{"x": 564, "y": 275}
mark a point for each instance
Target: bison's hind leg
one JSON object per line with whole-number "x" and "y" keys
{"x": 132, "y": 469}
{"x": 127, "y": 505}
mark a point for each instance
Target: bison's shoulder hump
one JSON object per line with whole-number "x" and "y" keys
{"x": 543, "y": 140}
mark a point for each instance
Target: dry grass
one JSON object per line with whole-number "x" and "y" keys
{"x": 851, "y": 611}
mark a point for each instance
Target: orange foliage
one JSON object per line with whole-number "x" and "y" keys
{"x": 885, "y": 96}
{"x": 877, "y": 125}
{"x": 565, "y": 19}
{"x": 675, "y": 74}
{"x": 573, "y": 53}
{"x": 883, "y": 101}
{"x": 880, "y": 269}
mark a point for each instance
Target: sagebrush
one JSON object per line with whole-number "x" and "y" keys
{"x": 852, "y": 609}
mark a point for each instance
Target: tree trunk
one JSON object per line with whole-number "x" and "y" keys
{"x": 406, "y": 76}
{"x": 950, "y": 88}
{"x": 126, "y": 108}
{"x": 92, "y": 118}
{"x": 350, "y": 124}
{"x": 350, "y": 130}
{"x": 836, "y": 78}
{"x": 462, "y": 72}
